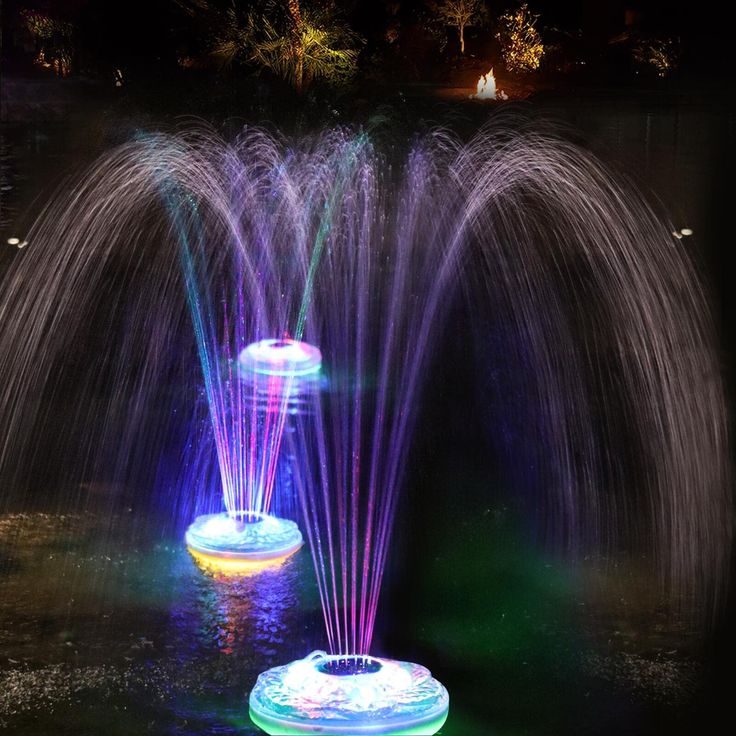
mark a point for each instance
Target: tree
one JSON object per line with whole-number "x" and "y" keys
{"x": 660, "y": 54}
{"x": 317, "y": 45}
{"x": 521, "y": 44}
{"x": 295, "y": 35}
{"x": 458, "y": 14}
{"x": 53, "y": 39}
{"x": 299, "y": 44}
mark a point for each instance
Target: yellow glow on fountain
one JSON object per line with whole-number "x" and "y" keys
{"x": 220, "y": 543}
{"x": 234, "y": 566}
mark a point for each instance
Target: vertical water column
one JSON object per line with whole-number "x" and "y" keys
{"x": 283, "y": 376}
{"x": 276, "y": 378}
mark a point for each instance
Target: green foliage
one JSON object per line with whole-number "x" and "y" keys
{"x": 43, "y": 27}
{"x": 232, "y": 39}
{"x": 322, "y": 49}
{"x": 658, "y": 54}
{"x": 53, "y": 41}
{"x": 315, "y": 46}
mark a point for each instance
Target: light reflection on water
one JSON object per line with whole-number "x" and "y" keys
{"x": 86, "y": 618}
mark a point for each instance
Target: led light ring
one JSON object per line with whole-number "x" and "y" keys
{"x": 235, "y": 567}
{"x": 278, "y": 727}
{"x": 285, "y": 357}
{"x": 302, "y": 697}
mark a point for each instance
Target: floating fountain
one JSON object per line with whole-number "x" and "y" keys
{"x": 287, "y": 359}
{"x": 382, "y": 286}
{"x": 277, "y": 375}
{"x": 242, "y": 544}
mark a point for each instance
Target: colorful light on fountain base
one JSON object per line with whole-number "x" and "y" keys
{"x": 281, "y": 357}
{"x": 225, "y": 544}
{"x": 349, "y": 695}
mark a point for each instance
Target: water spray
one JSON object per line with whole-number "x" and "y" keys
{"x": 325, "y": 229}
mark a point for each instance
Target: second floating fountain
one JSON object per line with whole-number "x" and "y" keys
{"x": 273, "y": 379}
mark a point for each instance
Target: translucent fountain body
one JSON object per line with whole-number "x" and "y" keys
{"x": 281, "y": 357}
{"x": 353, "y": 695}
{"x": 225, "y": 543}
{"x": 280, "y": 375}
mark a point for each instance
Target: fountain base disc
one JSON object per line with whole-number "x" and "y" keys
{"x": 324, "y": 694}
{"x": 220, "y": 543}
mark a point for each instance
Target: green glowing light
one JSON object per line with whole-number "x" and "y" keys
{"x": 281, "y": 728}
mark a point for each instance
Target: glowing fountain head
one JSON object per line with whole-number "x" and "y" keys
{"x": 281, "y": 357}
{"x": 350, "y": 695}
{"x": 240, "y": 545}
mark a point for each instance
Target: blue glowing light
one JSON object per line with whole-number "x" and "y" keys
{"x": 349, "y": 695}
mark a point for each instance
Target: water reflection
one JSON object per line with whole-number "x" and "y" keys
{"x": 242, "y": 616}
{"x": 100, "y": 621}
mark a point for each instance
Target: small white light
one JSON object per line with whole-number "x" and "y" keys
{"x": 13, "y": 241}
{"x": 23, "y": 244}
{"x": 677, "y": 234}
{"x": 686, "y": 231}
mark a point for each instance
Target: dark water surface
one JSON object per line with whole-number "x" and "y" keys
{"x": 108, "y": 627}
{"x": 117, "y": 631}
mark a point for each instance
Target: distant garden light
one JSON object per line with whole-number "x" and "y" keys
{"x": 349, "y": 695}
